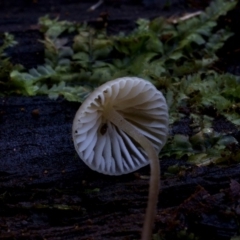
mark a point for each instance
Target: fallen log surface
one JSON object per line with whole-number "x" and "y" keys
{"x": 46, "y": 192}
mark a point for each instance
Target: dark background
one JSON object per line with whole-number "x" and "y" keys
{"x": 46, "y": 192}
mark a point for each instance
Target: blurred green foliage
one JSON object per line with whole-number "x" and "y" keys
{"x": 176, "y": 56}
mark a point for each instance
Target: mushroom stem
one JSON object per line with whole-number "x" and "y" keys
{"x": 154, "y": 186}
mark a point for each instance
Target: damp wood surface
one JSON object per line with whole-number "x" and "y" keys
{"x": 47, "y": 192}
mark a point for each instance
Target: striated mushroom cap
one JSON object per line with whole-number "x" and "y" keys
{"x": 104, "y": 147}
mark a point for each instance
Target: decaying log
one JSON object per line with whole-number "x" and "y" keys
{"x": 46, "y": 192}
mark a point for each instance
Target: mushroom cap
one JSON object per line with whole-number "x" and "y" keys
{"x": 104, "y": 147}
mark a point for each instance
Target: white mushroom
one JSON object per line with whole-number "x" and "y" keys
{"x": 122, "y": 127}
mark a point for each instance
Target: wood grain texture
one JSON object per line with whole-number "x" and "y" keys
{"x": 46, "y": 191}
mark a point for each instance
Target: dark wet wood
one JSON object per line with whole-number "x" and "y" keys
{"x": 47, "y": 192}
